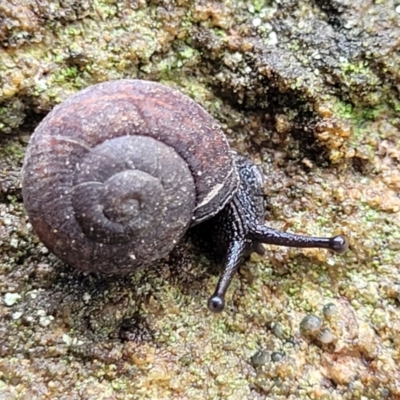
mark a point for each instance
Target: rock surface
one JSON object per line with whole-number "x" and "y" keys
{"x": 311, "y": 91}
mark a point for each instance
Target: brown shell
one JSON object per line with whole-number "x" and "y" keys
{"x": 115, "y": 175}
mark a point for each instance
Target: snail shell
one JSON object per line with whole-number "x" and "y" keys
{"x": 114, "y": 176}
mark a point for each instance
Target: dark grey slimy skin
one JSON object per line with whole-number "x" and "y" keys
{"x": 239, "y": 228}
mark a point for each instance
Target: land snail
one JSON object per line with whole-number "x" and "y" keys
{"x": 114, "y": 176}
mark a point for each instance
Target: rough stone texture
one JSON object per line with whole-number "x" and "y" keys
{"x": 310, "y": 90}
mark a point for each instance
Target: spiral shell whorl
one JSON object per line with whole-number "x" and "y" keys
{"x": 96, "y": 161}
{"x": 121, "y": 192}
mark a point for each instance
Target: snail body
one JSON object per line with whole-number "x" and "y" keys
{"x": 114, "y": 177}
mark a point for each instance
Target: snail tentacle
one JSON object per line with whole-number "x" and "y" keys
{"x": 234, "y": 257}
{"x": 267, "y": 235}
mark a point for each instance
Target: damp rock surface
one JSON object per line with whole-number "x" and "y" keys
{"x": 310, "y": 91}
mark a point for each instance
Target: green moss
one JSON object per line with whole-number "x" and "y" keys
{"x": 365, "y": 136}
{"x": 360, "y": 68}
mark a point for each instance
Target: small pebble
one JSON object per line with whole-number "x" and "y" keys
{"x": 278, "y": 330}
{"x": 385, "y": 392}
{"x": 272, "y": 39}
{"x": 69, "y": 341}
{"x": 45, "y": 320}
{"x": 11, "y": 298}
{"x": 14, "y": 243}
{"x": 260, "y": 357}
{"x": 325, "y": 336}
{"x": 329, "y": 310}
{"x": 277, "y": 356}
{"x": 17, "y": 315}
{"x": 310, "y": 325}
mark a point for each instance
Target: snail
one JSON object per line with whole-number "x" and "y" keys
{"x": 114, "y": 176}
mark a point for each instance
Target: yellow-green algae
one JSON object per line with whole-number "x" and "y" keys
{"x": 318, "y": 108}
